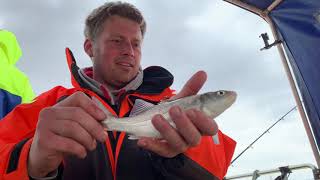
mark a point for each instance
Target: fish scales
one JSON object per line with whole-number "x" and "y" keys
{"x": 140, "y": 125}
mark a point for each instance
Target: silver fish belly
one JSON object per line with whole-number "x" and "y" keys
{"x": 211, "y": 103}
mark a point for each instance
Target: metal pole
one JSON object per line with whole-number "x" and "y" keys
{"x": 245, "y": 6}
{"x": 274, "y": 4}
{"x": 276, "y": 170}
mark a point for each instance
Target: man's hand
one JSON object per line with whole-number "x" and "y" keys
{"x": 191, "y": 124}
{"x": 70, "y": 127}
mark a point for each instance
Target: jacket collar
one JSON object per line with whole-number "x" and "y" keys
{"x": 155, "y": 78}
{"x": 86, "y": 74}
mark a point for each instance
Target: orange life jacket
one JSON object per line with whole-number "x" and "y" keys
{"x": 117, "y": 158}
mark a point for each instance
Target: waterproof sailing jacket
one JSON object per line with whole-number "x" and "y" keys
{"x": 118, "y": 158}
{"x": 14, "y": 84}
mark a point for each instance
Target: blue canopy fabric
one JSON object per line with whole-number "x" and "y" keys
{"x": 298, "y": 25}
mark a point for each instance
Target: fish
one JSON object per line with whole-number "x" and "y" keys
{"x": 139, "y": 124}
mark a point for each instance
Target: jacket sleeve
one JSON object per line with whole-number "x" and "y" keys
{"x": 206, "y": 161}
{"x": 16, "y": 132}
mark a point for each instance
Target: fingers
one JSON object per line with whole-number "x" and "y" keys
{"x": 160, "y": 147}
{"x": 204, "y": 124}
{"x": 69, "y": 127}
{"x": 65, "y": 145}
{"x": 185, "y": 126}
{"x": 169, "y": 134}
{"x": 73, "y": 130}
{"x": 79, "y": 99}
{"x": 77, "y": 115}
{"x": 172, "y": 143}
{"x": 193, "y": 85}
{"x": 190, "y": 126}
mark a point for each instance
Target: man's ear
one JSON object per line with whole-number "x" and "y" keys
{"x": 88, "y": 47}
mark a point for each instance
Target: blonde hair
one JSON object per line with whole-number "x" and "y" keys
{"x": 95, "y": 20}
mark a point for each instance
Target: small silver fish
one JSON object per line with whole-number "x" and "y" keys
{"x": 140, "y": 125}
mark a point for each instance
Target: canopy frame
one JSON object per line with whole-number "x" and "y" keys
{"x": 265, "y": 15}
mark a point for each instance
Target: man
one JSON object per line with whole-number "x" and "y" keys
{"x": 60, "y": 135}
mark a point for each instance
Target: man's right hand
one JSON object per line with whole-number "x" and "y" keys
{"x": 70, "y": 127}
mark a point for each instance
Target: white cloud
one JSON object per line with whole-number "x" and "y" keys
{"x": 219, "y": 16}
{"x": 54, "y": 3}
{"x": 285, "y": 144}
{"x": 2, "y": 23}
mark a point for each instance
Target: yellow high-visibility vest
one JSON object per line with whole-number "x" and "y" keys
{"x": 12, "y": 80}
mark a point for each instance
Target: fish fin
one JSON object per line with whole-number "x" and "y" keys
{"x": 216, "y": 139}
{"x": 101, "y": 106}
{"x": 133, "y": 137}
{"x": 167, "y": 101}
{"x": 140, "y": 106}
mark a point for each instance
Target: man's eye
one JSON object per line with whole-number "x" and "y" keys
{"x": 136, "y": 44}
{"x": 116, "y": 40}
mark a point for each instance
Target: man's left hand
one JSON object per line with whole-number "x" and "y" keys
{"x": 191, "y": 124}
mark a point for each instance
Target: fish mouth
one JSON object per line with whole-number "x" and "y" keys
{"x": 233, "y": 96}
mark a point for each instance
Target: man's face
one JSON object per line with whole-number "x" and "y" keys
{"x": 117, "y": 52}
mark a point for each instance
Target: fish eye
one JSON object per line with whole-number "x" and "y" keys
{"x": 221, "y": 93}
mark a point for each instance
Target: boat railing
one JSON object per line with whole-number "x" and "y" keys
{"x": 284, "y": 171}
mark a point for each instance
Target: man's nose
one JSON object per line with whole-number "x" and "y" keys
{"x": 128, "y": 49}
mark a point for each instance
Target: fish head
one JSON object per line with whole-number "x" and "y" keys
{"x": 214, "y": 103}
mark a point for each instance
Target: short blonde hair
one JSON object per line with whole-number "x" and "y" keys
{"x": 95, "y": 20}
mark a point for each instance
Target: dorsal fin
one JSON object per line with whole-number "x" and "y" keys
{"x": 140, "y": 106}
